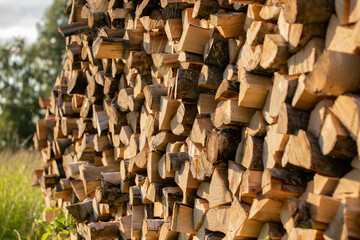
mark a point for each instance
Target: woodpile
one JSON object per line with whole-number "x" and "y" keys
{"x": 206, "y": 119}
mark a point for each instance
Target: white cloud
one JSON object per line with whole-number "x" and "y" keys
{"x": 19, "y": 17}
{"x": 30, "y": 33}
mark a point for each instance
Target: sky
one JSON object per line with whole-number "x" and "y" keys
{"x": 19, "y": 18}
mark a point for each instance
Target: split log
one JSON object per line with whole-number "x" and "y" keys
{"x": 304, "y": 60}
{"x": 326, "y": 70}
{"x": 104, "y": 47}
{"x": 201, "y": 206}
{"x": 346, "y": 108}
{"x": 275, "y": 52}
{"x": 202, "y": 128}
{"x": 210, "y": 77}
{"x": 185, "y": 86}
{"x": 235, "y": 175}
{"x": 103, "y": 230}
{"x": 282, "y": 91}
{"x": 322, "y": 208}
{"x": 290, "y": 120}
{"x": 228, "y": 89}
{"x": 299, "y": 11}
{"x": 182, "y": 220}
{"x": 219, "y": 192}
{"x": 258, "y": 29}
{"x": 81, "y": 211}
{"x": 304, "y": 146}
{"x": 239, "y": 225}
{"x": 221, "y": 145}
{"x": 281, "y": 183}
{"x": 334, "y": 139}
{"x": 201, "y": 168}
{"x": 229, "y": 113}
{"x": 187, "y": 41}
{"x": 265, "y": 209}
{"x": 303, "y": 98}
{"x": 348, "y": 185}
{"x": 153, "y": 94}
{"x": 253, "y": 90}
{"x": 345, "y": 224}
{"x": 318, "y": 115}
{"x": 324, "y": 185}
{"x": 229, "y": 25}
{"x": 249, "y": 152}
{"x": 250, "y": 185}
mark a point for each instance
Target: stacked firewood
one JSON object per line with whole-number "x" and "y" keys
{"x": 206, "y": 119}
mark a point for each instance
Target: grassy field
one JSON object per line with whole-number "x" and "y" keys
{"x": 20, "y": 203}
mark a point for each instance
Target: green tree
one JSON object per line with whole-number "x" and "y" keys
{"x": 27, "y": 72}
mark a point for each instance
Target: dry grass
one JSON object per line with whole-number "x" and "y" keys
{"x": 20, "y": 203}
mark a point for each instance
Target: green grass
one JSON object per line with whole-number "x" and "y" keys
{"x": 20, "y": 203}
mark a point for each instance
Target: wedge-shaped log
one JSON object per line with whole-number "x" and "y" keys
{"x": 265, "y": 209}
{"x": 322, "y": 208}
{"x": 334, "y": 139}
{"x": 345, "y": 225}
{"x": 221, "y": 145}
{"x": 283, "y": 183}
{"x": 253, "y": 90}
{"x": 275, "y": 52}
{"x": 283, "y": 90}
{"x": 303, "y": 151}
{"x": 105, "y": 47}
{"x": 81, "y": 211}
{"x": 290, "y": 119}
{"x": 300, "y": 11}
{"x": 324, "y": 77}
{"x": 185, "y": 86}
{"x": 182, "y": 220}
{"x": 229, "y": 25}
{"x": 193, "y": 39}
{"x": 239, "y": 225}
{"x": 249, "y": 152}
{"x": 347, "y": 109}
{"x": 304, "y": 60}
{"x": 210, "y": 77}
{"x": 318, "y": 115}
{"x": 250, "y": 185}
{"x": 219, "y": 192}
{"x": 229, "y": 113}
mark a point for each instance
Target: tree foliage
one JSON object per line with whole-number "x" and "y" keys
{"x": 27, "y": 72}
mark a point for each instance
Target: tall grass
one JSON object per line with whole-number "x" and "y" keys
{"x": 20, "y": 203}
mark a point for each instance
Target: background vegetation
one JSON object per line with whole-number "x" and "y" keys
{"x": 27, "y": 72}
{"x": 20, "y": 203}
